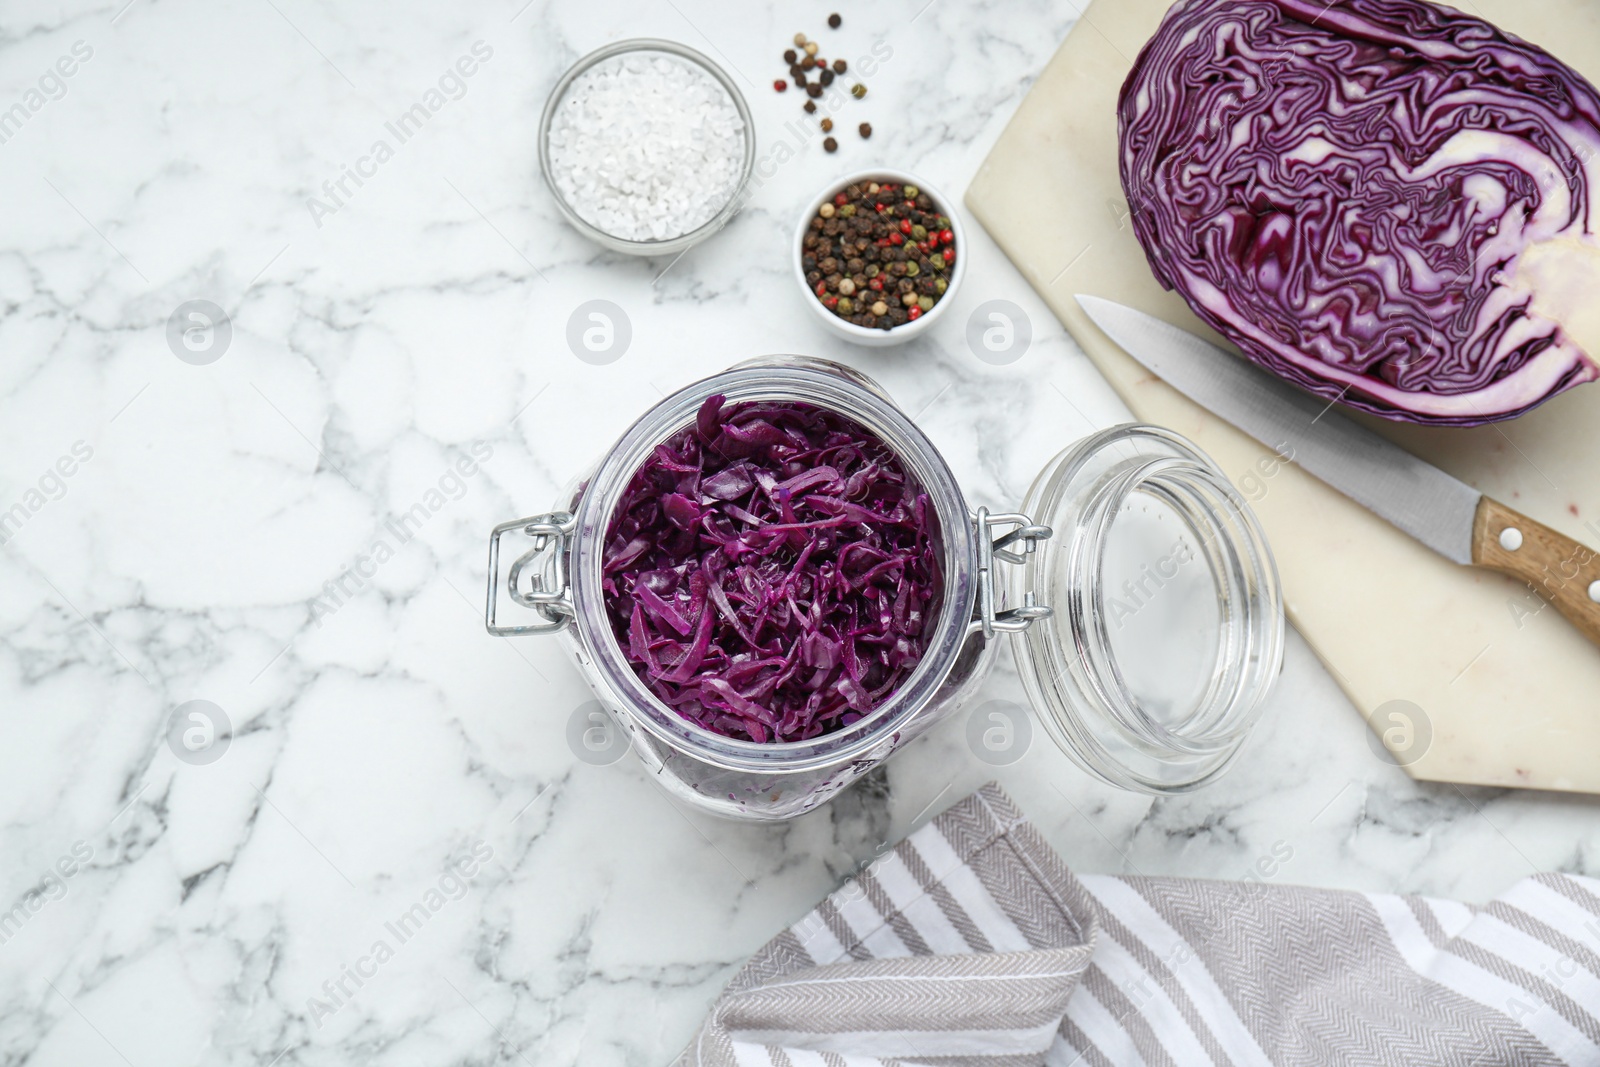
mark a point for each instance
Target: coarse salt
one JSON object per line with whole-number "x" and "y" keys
{"x": 646, "y": 146}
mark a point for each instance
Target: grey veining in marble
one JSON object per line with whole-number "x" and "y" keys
{"x": 398, "y": 375}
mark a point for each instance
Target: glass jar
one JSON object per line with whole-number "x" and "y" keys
{"x": 1155, "y": 696}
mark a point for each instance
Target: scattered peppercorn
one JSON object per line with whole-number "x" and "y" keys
{"x": 830, "y": 144}
{"x": 866, "y": 130}
{"x": 827, "y": 125}
{"x": 804, "y": 59}
{"x": 834, "y": 20}
{"x": 874, "y": 254}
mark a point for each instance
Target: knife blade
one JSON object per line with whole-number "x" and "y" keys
{"x": 1430, "y": 505}
{"x": 1435, "y": 508}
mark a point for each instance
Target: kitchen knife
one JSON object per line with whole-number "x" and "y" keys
{"x": 1441, "y": 511}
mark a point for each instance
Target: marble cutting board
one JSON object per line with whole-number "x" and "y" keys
{"x": 1499, "y": 690}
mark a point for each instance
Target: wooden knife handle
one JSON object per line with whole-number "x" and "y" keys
{"x": 1563, "y": 571}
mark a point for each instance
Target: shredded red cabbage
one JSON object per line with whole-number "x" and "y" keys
{"x": 772, "y": 572}
{"x": 1357, "y": 194}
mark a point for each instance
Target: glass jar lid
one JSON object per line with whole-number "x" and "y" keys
{"x": 1167, "y": 631}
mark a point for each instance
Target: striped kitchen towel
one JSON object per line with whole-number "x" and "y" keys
{"x": 970, "y": 943}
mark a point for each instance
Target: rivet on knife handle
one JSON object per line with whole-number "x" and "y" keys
{"x": 1563, "y": 571}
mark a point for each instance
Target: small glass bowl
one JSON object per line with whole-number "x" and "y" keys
{"x": 672, "y": 245}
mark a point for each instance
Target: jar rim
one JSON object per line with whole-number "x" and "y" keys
{"x": 849, "y": 393}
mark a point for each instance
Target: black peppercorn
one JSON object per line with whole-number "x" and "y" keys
{"x": 866, "y": 130}
{"x": 830, "y": 144}
{"x": 825, "y": 76}
{"x": 790, "y": 57}
{"x": 834, "y": 21}
{"x": 813, "y": 90}
{"x": 811, "y": 107}
{"x": 839, "y": 66}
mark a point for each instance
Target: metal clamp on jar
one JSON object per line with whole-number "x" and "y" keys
{"x": 1082, "y": 677}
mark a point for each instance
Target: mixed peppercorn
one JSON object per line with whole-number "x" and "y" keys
{"x": 879, "y": 254}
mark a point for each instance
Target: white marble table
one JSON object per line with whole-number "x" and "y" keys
{"x": 219, "y": 543}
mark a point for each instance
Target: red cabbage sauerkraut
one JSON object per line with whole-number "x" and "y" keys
{"x": 773, "y": 572}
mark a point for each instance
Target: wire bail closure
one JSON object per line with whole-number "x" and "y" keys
{"x": 1026, "y": 534}
{"x": 549, "y": 591}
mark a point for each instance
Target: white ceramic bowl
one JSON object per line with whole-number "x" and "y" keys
{"x": 861, "y": 335}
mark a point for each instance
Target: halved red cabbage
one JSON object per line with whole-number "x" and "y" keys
{"x": 773, "y": 572}
{"x": 1345, "y": 190}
